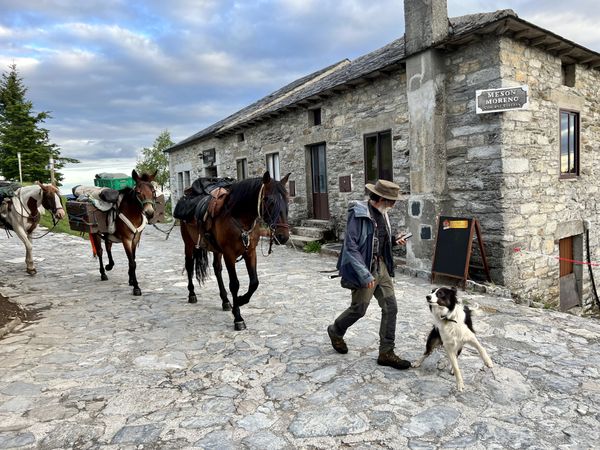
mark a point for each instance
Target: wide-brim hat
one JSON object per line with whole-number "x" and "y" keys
{"x": 385, "y": 189}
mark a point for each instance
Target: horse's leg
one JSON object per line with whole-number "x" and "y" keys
{"x": 130, "y": 251}
{"x": 189, "y": 245}
{"x": 111, "y": 263}
{"x": 234, "y": 286}
{"x": 98, "y": 246}
{"x": 28, "y": 249}
{"x": 218, "y": 268}
{"x": 250, "y": 260}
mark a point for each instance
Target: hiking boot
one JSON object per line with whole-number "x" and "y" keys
{"x": 392, "y": 360}
{"x": 336, "y": 341}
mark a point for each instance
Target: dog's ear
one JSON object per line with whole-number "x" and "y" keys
{"x": 453, "y": 289}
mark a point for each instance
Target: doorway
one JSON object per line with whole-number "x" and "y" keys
{"x": 570, "y": 274}
{"x": 318, "y": 163}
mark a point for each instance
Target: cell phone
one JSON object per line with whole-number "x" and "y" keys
{"x": 405, "y": 236}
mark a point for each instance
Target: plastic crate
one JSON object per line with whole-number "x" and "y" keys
{"x": 114, "y": 183}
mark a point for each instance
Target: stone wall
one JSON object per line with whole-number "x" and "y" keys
{"x": 473, "y": 146}
{"x": 540, "y": 209}
{"x": 376, "y": 105}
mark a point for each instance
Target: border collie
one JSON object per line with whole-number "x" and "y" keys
{"x": 452, "y": 329}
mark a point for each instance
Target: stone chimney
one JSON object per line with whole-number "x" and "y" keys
{"x": 425, "y": 23}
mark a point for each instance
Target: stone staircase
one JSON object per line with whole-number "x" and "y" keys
{"x": 310, "y": 230}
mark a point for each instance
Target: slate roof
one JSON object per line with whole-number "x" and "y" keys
{"x": 345, "y": 72}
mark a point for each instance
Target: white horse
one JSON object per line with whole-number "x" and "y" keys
{"x": 22, "y": 213}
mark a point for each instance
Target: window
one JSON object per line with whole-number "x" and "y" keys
{"x": 568, "y": 74}
{"x": 242, "y": 169}
{"x": 180, "y": 183}
{"x": 378, "y": 157}
{"x": 314, "y": 116}
{"x": 569, "y": 144}
{"x": 241, "y": 137}
{"x": 186, "y": 179}
{"x": 273, "y": 165}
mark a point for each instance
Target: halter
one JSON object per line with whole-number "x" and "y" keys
{"x": 274, "y": 217}
{"x": 245, "y": 234}
{"x": 145, "y": 201}
{"x": 136, "y": 230}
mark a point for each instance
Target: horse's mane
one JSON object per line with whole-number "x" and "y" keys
{"x": 243, "y": 196}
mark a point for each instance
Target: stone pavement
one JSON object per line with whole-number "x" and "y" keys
{"x": 104, "y": 369}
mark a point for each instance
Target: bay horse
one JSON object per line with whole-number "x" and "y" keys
{"x": 134, "y": 207}
{"x": 234, "y": 233}
{"x": 23, "y": 211}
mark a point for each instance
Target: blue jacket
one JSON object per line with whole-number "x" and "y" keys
{"x": 354, "y": 262}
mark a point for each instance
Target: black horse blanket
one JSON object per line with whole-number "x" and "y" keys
{"x": 194, "y": 204}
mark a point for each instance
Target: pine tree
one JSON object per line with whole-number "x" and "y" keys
{"x": 153, "y": 159}
{"x": 20, "y": 131}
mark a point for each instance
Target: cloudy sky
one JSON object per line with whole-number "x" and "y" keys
{"x": 115, "y": 73}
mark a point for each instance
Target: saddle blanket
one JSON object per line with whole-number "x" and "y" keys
{"x": 102, "y": 198}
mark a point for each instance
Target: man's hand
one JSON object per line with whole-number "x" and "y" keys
{"x": 402, "y": 237}
{"x": 370, "y": 284}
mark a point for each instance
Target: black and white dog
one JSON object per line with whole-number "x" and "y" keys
{"x": 452, "y": 328}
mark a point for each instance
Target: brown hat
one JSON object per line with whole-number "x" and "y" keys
{"x": 385, "y": 189}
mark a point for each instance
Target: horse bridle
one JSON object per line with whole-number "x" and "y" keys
{"x": 35, "y": 216}
{"x": 274, "y": 215}
{"x": 145, "y": 201}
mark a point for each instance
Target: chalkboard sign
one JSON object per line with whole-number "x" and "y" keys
{"x": 453, "y": 245}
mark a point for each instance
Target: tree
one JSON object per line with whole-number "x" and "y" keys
{"x": 153, "y": 159}
{"x": 20, "y": 132}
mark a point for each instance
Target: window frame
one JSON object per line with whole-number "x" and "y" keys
{"x": 576, "y": 151}
{"x": 244, "y": 167}
{"x": 274, "y": 171}
{"x": 379, "y": 158}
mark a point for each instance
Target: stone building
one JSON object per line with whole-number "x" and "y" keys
{"x": 412, "y": 112}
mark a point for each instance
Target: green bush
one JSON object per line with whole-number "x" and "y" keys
{"x": 312, "y": 247}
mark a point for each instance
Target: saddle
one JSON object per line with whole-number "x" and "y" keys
{"x": 204, "y": 200}
{"x": 7, "y": 191}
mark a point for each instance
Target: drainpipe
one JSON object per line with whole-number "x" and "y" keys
{"x": 587, "y": 225}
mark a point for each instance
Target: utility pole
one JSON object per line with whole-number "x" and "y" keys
{"x": 20, "y": 171}
{"x": 51, "y": 165}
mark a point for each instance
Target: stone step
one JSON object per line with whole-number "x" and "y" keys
{"x": 316, "y": 233}
{"x": 299, "y": 241}
{"x": 316, "y": 223}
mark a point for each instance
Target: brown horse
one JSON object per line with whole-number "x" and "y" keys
{"x": 134, "y": 207}
{"x": 22, "y": 213}
{"x": 234, "y": 233}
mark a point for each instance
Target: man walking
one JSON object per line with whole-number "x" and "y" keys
{"x": 367, "y": 267}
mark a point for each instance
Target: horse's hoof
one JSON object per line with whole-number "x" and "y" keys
{"x": 227, "y": 307}
{"x": 109, "y": 267}
{"x": 31, "y": 271}
{"x": 103, "y": 277}
{"x": 192, "y": 299}
{"x": 239, "y": 326}
{"x": 137, "y": 291}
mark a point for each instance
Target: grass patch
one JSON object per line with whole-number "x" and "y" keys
{"x": 312, "y": 247}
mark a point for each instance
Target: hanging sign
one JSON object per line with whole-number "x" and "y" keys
{"x": 503, "y": 99}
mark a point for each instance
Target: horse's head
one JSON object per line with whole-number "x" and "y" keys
{"x": 274, "y": 207}
{"x": 51, "y": 200}
{"x": 145, "y": 192}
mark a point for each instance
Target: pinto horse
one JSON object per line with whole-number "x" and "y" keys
{"x": 23, "y": 211}
{"x": 134, "y": 207}
{"x": 234, "y": 233}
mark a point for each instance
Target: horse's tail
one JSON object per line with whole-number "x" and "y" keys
{"x": 201, "y": 264}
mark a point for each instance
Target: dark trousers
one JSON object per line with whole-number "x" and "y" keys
{"x": 384, "y": 293}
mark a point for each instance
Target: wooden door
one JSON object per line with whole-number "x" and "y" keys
{"x": 319, "y": 182}
{"x": 569, "y": 295}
